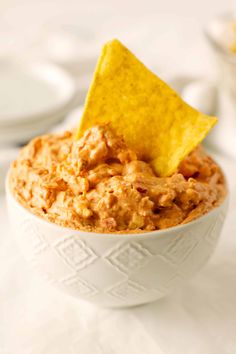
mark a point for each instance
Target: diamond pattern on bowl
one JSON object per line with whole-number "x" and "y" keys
{"x": 75, "y": 253}
{"x": 182, "y": 244}
{"x": 33, "y": 239}
{"x": 126, "y": 290}
{"x": 79, "y": 286}
{"x": 211, "y": 234}
{"x": 128, "y": 257}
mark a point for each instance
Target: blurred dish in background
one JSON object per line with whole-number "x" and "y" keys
{"x": 221, "y": 32}
{"x": 221, "y": 35}
{"x": 34, "y": 97}
{"x": 74, "y": 48}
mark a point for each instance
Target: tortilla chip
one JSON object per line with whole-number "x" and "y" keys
{"x": 151, "y": 117}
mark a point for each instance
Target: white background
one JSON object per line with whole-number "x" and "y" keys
{"x": 167, "y": 34}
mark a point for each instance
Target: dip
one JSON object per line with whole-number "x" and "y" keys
{"x": 99, "y": 184}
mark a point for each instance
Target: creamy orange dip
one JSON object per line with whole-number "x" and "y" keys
{"x": 98, "y": 184}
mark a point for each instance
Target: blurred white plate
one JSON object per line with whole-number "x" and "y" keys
{"x": 31, "y": 91}
{"x": 72, "y": 46}
{"x": 22, "y": 133}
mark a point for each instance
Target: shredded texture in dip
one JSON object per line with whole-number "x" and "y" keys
{"x": 98, "y": 184}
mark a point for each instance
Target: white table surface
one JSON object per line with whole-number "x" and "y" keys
{"x": 199, "y": 318}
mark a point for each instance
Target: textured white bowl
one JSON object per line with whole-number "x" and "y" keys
{"x": 115, "y": 270}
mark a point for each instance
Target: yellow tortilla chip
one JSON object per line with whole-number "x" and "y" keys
{"x": 151, "y": 117}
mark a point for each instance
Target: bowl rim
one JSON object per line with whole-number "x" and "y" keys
{"x": 137, "y": 235}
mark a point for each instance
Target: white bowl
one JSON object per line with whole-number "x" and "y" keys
{"x": 115, "y": 270}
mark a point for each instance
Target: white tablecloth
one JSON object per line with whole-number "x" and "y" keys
{"x": 199, "y": 318}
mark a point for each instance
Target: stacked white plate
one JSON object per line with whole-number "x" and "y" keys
{"x": 34, "y": 96}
